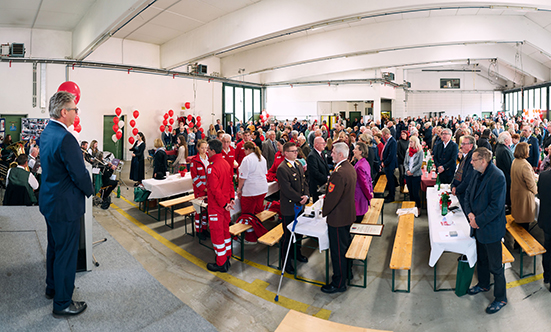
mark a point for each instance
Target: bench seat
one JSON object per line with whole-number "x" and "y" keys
{"x": 403, "y": 246}
{"x": 528, "y": 245}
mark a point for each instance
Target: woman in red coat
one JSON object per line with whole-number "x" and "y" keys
{"x": 198, "y": 168}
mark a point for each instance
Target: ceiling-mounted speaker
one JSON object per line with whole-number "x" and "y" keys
{"x": 17, "y": 50}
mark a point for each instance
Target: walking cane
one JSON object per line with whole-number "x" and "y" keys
{"x": 292, "y": 240}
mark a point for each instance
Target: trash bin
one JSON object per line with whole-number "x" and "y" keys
{"x": 464, "y": 276}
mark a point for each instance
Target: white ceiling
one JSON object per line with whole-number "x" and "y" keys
{"x": 238, "y": 31}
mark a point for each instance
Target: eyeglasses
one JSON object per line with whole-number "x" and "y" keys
{"x": 73, "y": 109}
{"x": 477, "y": 159}
{"x": 292, "y": 151}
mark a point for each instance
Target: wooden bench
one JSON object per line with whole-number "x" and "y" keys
{"x": 240, "y": 229}
{"x": 403, "y": 246}
{"x": 187, "y": 212}
{"x": 271, "y": 239}
{"x": 360, "y": 243}
{"x": 379, "y": 190}
{"x": 528, "y": 245}
{"x": 506, "y": 256}
{"x": 171, "y": 204}
{"x": 296, "y": 321}
{"x": 405, "y": 191}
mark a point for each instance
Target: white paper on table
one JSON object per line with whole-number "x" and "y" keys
{"x": 447, "y": 237}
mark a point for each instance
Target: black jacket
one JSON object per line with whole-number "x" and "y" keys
{"x": 544, "y": 218}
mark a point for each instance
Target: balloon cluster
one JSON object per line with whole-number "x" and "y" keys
{"x": 135, "y": 130}
{"x": 264, "y": 116}
{"x": 72, "y": 88}
{"x": 117, "y": 126}
{"x": 168, "y": 121}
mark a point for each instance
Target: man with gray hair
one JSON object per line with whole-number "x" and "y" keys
{"x": 504, "y": 160}
{"x": 269, "y": 148}
{"x": 65, "y": 183}
{"x": 464, "y": 172}
{"x": 340, "y": 209}
{"x": 389, "y": 162}
{"x": 445, "y": 155}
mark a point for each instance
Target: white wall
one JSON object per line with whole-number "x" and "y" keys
{"x": 39, "y": 43}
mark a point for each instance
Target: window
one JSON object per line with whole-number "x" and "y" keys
{"x": 241, "y": 103}
{"x": 544, "y": 98}
{"x": 537, "y": 98}
{"x": 449, "y": 83}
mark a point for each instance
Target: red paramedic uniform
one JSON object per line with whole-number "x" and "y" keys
{"x": 199, "y": 177}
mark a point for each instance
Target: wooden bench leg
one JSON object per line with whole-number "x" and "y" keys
{"x": 242, "y": 241}
{"x": 279, "y": 257}
{"x": 522, "y": 275}
{"x": 364, "y": 264}
{"x": 401, "y": 290}
{"x": 440, "y": 289}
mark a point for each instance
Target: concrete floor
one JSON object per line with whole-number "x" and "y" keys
{"x": 243, "y": 299}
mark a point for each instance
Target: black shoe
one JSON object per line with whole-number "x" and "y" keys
{"x": 290, "y": 269}
{"x": 49, "y": 294}
{"x": 228, "y": 264}
{"x": 389, "y": 200}
{"x": 75, "y": 308}
{"x": 207, "y": 233}
{"x": 330, "y": 289}
{"x": 217, "y": 268}
{"x": 105, "y": 205}
{"x": 302, "y": 258}
{"x": 202, "y": 236}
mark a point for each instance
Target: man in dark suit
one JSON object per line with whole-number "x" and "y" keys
{"x": 218, "y": 126}
{"x": 427, "y": 137}
{"x": 504, "y": 160}
{"x": 292, "y": 191}
{"x": 340, "y": 209}
{"x": 534, "y": 156}
{"x": 269, "y": 148}
{"x": 318, "y": 170}
{"x": 445, "y": 155}
{"x": 544, "y": 221}
{"x": 464, "y": 173}
{"x": 389, "y": 163}
{"x": 230, "y": 129}
{"x": 65, "y": 183}
{"x": 485, "y": 209}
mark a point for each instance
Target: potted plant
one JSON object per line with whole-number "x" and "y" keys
{"x": 182, "y": 170}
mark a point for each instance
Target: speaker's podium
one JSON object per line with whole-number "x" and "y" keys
{"x": 84, "y": 260}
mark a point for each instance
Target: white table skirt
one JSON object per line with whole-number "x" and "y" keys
{"x": 199, "y": 203}
{"x": 171, "y": 186}
{"x": 314, "y": 227}
{"x": 440, "y": 241}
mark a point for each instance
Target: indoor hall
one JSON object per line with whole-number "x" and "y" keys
{"x": 305, "y": 59}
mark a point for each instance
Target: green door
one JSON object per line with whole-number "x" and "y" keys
{"x": 354, "y": 117}
{"x": 108, "y": 144}
{"x": 13, "y": 126}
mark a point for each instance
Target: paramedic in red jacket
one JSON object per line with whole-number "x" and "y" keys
{"x": 198, "y": 168}
{"x": 228, "y": 153}
{"x": 239, "y": 149}
{"x": 220, "y": 196}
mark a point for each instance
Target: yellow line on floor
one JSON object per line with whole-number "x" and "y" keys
{"x": 524, "y": 281}
{"x": 257, "y": 287}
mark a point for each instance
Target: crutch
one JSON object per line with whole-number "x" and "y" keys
{"x": 292, "y": 240}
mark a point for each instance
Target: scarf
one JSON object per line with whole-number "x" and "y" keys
{"x": 412, "y": 151}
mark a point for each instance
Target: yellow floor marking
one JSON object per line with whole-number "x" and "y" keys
{"x": 524, "y": 281}
{"x": 257, "y": 287}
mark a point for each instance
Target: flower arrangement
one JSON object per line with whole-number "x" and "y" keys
{"x": 445, "y": 202}
{"x": 182, "y": 170}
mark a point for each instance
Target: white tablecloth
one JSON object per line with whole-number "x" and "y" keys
{"x": 199, "y": 203}
{"x": 273, "y": 187}
{"x": 171, "y": 186}
{"x": 314, "y": 227}
{"x": 440, "y": 239}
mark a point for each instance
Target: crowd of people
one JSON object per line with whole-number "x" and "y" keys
{"x": 490, "y": 164}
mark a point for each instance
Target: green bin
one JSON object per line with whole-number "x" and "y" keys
{"x": 464, "y": 276}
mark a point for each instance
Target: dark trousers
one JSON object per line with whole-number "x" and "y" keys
{"x": 314, "y": 193}
{"x": 547, "y": 257}
{"x": 339, "y": 241}
{"x": 390, "y": 185}
{"x": 61, "y": 260}
{"x": 447, "y": 176}
{"x": 285, "y": 241}
{"x": 108, "y": 187}
{"x": 490, "y": 261}
{"x": 359, "y": 218}
{"x": 414, "y": 187}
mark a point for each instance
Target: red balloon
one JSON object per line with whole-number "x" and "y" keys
{"x": 70, "y": 87}
{"x": 198, "y": 118}
{"x": 171, "y": 113}
{"x": 189, "y": 117}
{"x": 191, "y": 124}
{"x": 267, "y": 115}
{"x": 118, "y": 111}
{"x": 201, "y": 130}
{"x": 132, "y": 123}
{"x": 165, "y": 116}
{"x": 136, "y": 114}
{"x": 116, "y": 120}
{"x": 119, "y": 134}
{"x": 170, "y": 128}
{"x": 171, "y": 121}
{"x": 115, "y": 127}
{"x": 77, "y": 120}
{"x": 135, "y": 131}
{"x": 131, "y": 140}
{"x": 78, "y": 128}
{"x": 188, "y": 105}
{"x": 165, "y": 122}
{"x": 198, "y": 124}
{"x": 162, "y": 128}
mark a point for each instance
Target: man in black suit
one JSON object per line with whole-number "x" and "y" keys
{"x": 318, "y": 170}
{"x": 534, "y": 156}
{"x": 445, "y": 155}
{"x": 292, "y": 191}
{"x": 218, "y": 126}
{"x": 464, "y": 173}
{"x": 65, "y": 183}
{"x": 544, "y": 221}
{"x": 485, "y": 208}
{"x": 269, "y": 148}
{"x": 230, "y": 129}
{"x": 390, "y": 163}
{"x": 504, "y": 160}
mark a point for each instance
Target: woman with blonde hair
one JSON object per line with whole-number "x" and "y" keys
{"x": 253, "y": 186}
{"x": 412, "y": 167}
{"x": 212, "y": 132}
{"x": 523, "y": 187}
